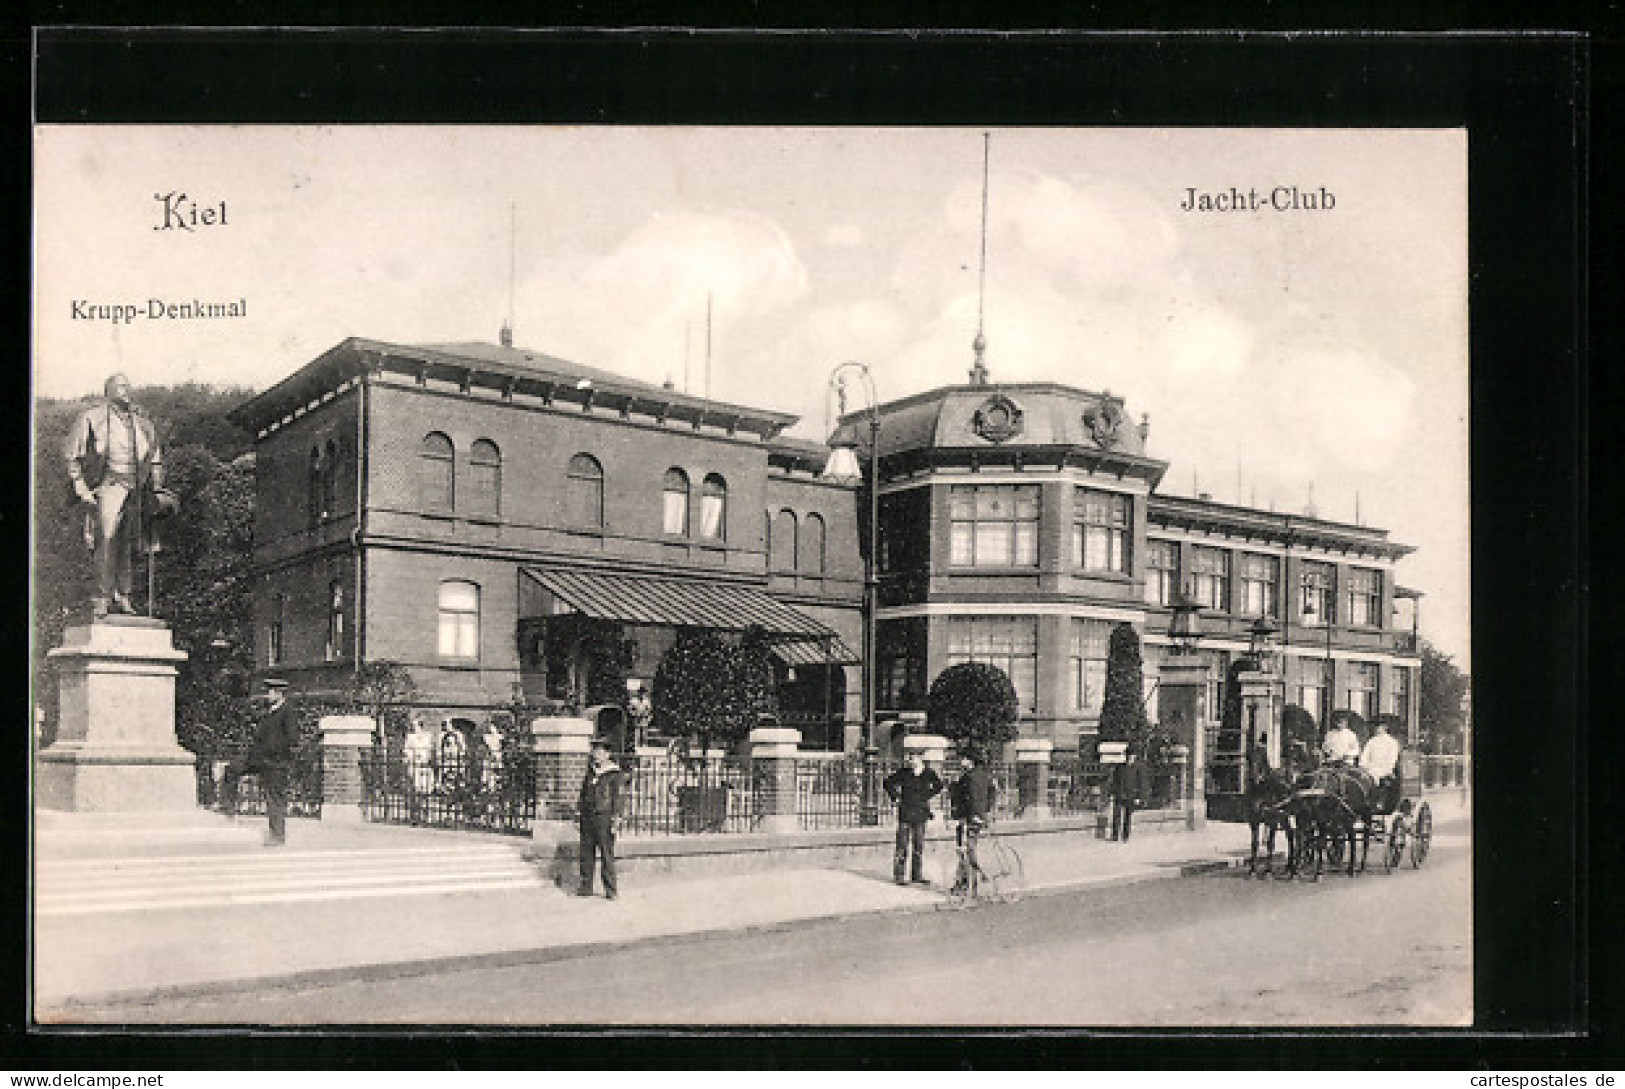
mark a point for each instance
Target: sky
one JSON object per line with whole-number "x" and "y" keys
{"x": 1285, "y": 357}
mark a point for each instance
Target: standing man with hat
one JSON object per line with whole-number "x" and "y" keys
{"x": 117, "y": 471}
{"x": 275, "y": 738}
{"x": 598, "y": 808}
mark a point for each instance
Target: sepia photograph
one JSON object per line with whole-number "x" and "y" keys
{"x": 544, "y": 575}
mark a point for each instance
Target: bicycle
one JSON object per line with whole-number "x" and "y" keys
{"x": 990, "y": 874}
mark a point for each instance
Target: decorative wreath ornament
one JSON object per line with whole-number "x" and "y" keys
{"x": 1105, "y": 422}
{"x": 998, "y": 419}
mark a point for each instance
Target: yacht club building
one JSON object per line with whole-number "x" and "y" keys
{"x": 475, "y": 512}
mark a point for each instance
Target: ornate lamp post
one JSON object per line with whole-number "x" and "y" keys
{"x": 1182, "y": 624}
{"x": 1261, "y": 643}
{"x": 843, "y": 466}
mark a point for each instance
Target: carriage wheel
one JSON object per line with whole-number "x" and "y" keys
{"x": 1394, "y": 851}
{"x": 1423, "y": 838}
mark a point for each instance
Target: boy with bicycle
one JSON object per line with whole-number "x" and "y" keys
{"x": 970, "y": 800}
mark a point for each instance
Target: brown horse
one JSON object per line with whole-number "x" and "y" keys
{"x": 1332, "y": 807}
{"x": 1269, "y": 805}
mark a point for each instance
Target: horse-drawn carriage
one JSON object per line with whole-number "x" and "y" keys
{"x": 1333, "y": 813}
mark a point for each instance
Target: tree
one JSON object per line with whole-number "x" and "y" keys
{"x": 761, "y": 692}
{"x": 698, "y": 691}
{"x": 1441, "y": 711}
{"x": 974, "y": 705}
{"x": 384, "y": 691}
{"x": 1122, "y": 712}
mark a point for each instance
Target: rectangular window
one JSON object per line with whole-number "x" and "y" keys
{"x": 335, "y": 621}
{"x": 1090, "y": 641}
{"x": 1011, "y": 643}
{"x": 1210, "y": 578}
{"x": 993, "y": 525}
{"x": 459, "y": 620}
{"x": 1259, "y": 575}
{"x": 1316, "y": 593}
{"x": 1161, "y": 572}
{"x": 1399, "y": 697}
{"x": 1312, "y": 687}
{"x": 1365, "y": 597}
{"x": 1100, "y": 533}
{"x": 1362, "y": 690}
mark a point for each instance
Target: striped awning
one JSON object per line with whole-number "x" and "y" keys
{"x": 680, "y": 603}
{"x": 803, "y": 653}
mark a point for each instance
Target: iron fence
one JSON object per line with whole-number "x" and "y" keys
{"x": 672, "y": 794}
{"x": 1443, "y": 772}
{"x": 479, "y": 791}
{"x": 1078, "y": 786}
{"x": 240, "y": 792}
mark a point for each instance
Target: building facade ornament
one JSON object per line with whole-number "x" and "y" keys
{"x": 999, "y": 419}
{"x": 1105, "y": 422}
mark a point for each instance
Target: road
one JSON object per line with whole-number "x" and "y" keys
{"x": 1214, "y": 950}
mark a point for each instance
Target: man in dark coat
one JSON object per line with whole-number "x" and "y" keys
{"x": 275, "y": 738}
{"x": 1129, "y": 792}
{"x": 911, "y": 787}
{"x": 599, "y": 806}
{"x": 971, "y": 800}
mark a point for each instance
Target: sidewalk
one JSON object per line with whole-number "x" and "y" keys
{"x": 410, "y": 927}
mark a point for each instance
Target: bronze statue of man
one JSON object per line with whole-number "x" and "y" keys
{"x": 116, "y": 467}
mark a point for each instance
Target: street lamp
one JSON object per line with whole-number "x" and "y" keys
{"x": 1182, "y": 623}
{"x": 1261, "y": 643}
{"x": 843, "y": 467}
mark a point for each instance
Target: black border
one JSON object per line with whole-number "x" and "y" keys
{"x": 1525, "y": 101}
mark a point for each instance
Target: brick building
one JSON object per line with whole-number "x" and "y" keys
{"x": 469, "y": 510}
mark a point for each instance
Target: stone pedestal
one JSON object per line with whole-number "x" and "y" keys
{"x": 1183, "y": 712}
{"x": 773, "y": 754}
{"x": 115, "y": 748}
{"x": 345, "y": 738}
{"x": 562, "y": 747}
{"x": 1032, "y": 777}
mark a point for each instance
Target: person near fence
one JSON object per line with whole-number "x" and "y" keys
{"x": 970, "y": 803}
{"x": 276, "y": 735}
{"x": 1129, "y": 789}
{"x": 602, "y": 799}
{"x": 911, "y": 787}
{"x": 418, "y": 750}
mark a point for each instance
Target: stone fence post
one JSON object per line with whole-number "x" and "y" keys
{"x": 1032, "y": 777}
{"x": 344, "y": 739}
{"x": 562, "y": 746}
{"x": 773, "y": 752}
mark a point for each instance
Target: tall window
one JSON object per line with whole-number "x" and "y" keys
{"x": 313, "y": 494}
{"x": 1100, "y": 534}
{"x": 1362, "y": 693}
{"x": 1009, "y": 642}
{"x": 484, "y": 480}
{"x": 1161, "y": 572}
{"x": 335, "y": 620}
{"x": 330, "y": 480}
{"x": 1210, "y": 578}
{"x": 1399, "y": 697}
{"x": 812, "y": 546}
{"x": 674, "y": 512}
{"x": 585, "y": 492}
{"x": 1313, "y": 688}
{"x": 782, "y": 547}
{"x": 994, "y": 525}
{"x": 274, "y": 647}
{"x": 1316, "y": 590}
{"x": 459, "y": 620}
{"x": 714, "y": 508}
{"x": 438, "y": 473}
{"x": 1365, "y": 597}
{"x": 1259, "y": 575}
{"x": 1090, "y": 641}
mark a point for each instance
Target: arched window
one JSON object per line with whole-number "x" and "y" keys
{"x": 438, "y": 473}
{"x": 783, "y": 557}
{"x": 812, "y": 546}
{"x": 335, "y": 619}
{"x": 330, "y": 480}
{"x": 459, "y": 627}
{"x": 714, "y": 508}
{"x": 313, "y": 496}
{"x": 484, "y": 480}
{"x": 674, "y": 510}
{"x": 585, "y": 499}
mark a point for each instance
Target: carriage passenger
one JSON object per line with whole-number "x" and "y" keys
{"x": 1342, "y": 744}
{"x": 1380, "y": 759}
